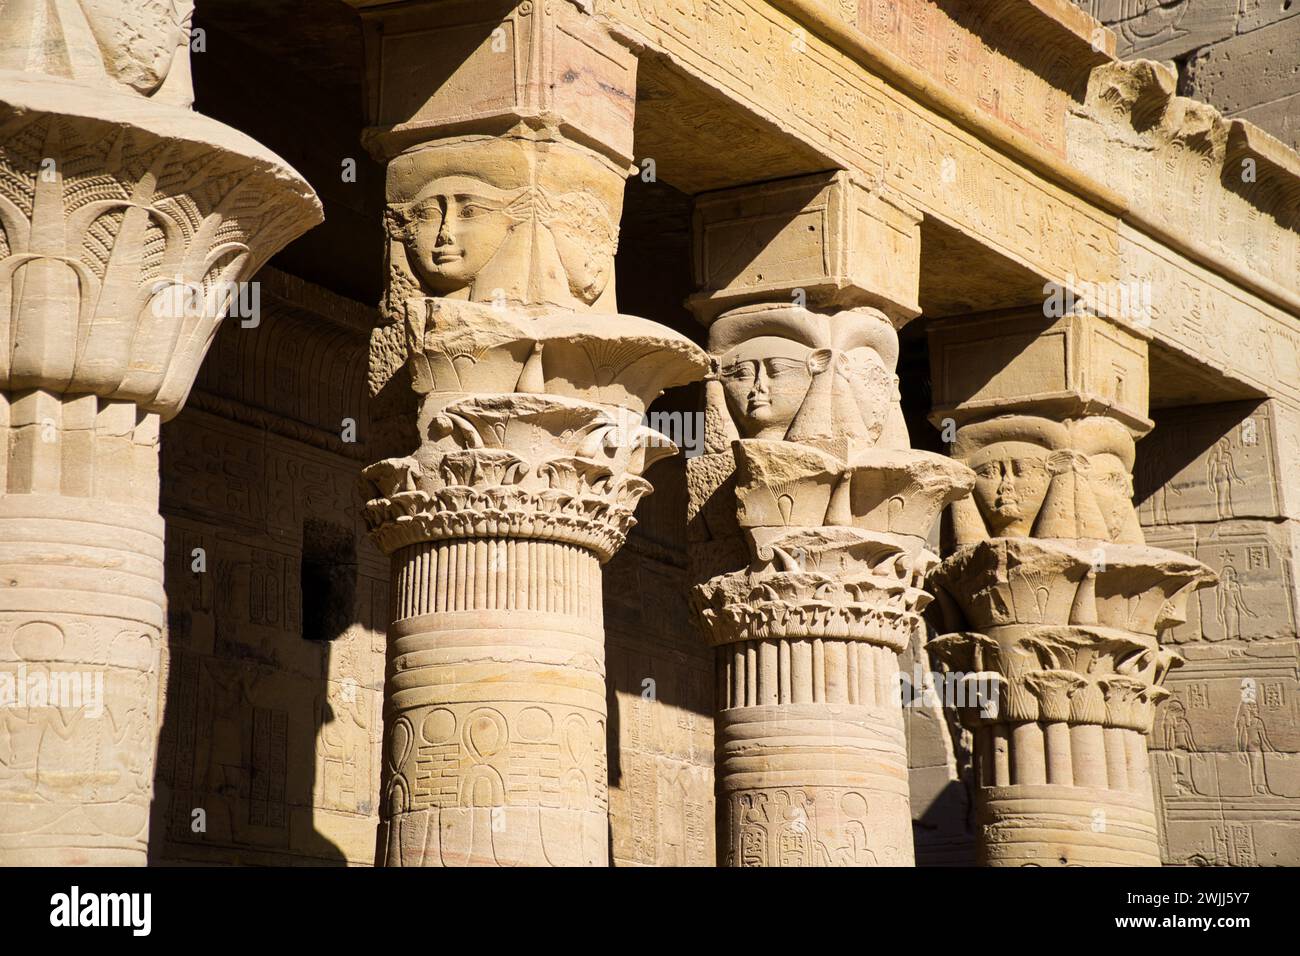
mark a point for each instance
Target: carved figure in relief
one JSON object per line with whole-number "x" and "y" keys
{"x": 1152, "y": 466}
{"x": 1230, "y": 603}
{"x": 789, "y": 374}
{"x": 1221, "y": 474}
{"x": 1111, "y": 458}
{"x": 1180, "y": 742}
{"x": 1010, "y": 457}
{"x": 342, "y": 736}
{"x": 503, "y": 220}
{"x": 1045, "y": 479}
{"x": 219, "y": 750}
{"x": 24, "y": 732}
{"x": 455, "y": 226}
{"x": 1253, "y": 744}
{"x": 764, "y": 392}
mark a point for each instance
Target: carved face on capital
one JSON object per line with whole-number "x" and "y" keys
{"x": 503, "y": 218}
{"x": 1011, "y": 480}
{"x": 139, "y": 41}
{"x": 1112, "y": 486}
{"x": 765, "y": 382}
{"x": 585, "y": 241}
{"x": 455, "y": 227}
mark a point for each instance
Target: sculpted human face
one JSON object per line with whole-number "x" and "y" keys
{"x": 455, "y": 228}
{"x": 764, "y": 394}
{"x": 585, "y": 241}
{"x": 1011, "y": 480}
{"x": 1113, "y": 488}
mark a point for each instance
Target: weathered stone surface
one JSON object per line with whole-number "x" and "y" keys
{"x": 126, "y": 224}
{"x": 1270, "y": 52}
{"x": 1164, "y": 30}
{"x": 1224, "y": 752}
{"x": 1281, "y": 117}
{"x": 274, "y": 655}
{"x": 574, "y": 212}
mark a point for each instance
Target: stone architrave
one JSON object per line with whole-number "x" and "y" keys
{"x": 1053, "y": 602}
{"x": 529, "y": 393}
{"x": 810, "y": 514}
{"x": 127, "y": 225}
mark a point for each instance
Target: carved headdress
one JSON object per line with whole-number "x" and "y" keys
{"x": 504, "y": 220}
{"x": 848, "y": 359}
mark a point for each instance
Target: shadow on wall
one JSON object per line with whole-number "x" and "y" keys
{"x": 277, "y": 605}
{"x": 258, "y": 743}
{"x": 1168, "y": 450}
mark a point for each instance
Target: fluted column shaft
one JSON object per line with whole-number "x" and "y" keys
{"x": 1043, "y": 784}
{"x": 812, "y": 767}
{"x": 496, "y": 706}
{"x": 81, "y": 617}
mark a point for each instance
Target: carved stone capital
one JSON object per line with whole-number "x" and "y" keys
{"x": 126, "y": 227}
{"x": 530, "y": 424}
{"x": 811, "y": 486}
{"x": 140, "y": 48}
{"x": 523, "y": 219}
{"x": 1076, "y": 675}
{"x": 1032, "y": 582}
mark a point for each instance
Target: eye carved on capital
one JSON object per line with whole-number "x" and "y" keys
{"x": 784, "y": 373}
{"x": 833, "y": 503}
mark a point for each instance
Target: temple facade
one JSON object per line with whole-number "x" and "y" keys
{"x": 648, "y": 432}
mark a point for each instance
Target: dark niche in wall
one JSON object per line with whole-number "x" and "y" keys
{"x": 329, "y": 579}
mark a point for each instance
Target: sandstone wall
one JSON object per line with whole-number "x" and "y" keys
{"x": 1218, "y": 482}
{"x": 274, "y": 656}
{"x": 1242, "y": 56}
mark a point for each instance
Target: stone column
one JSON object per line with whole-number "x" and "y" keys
{"x": 1054, "y": 602}
{"x": 810, "y": 516}
{"x": 528, "y": 393}
{"x": 126, "y": 221}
